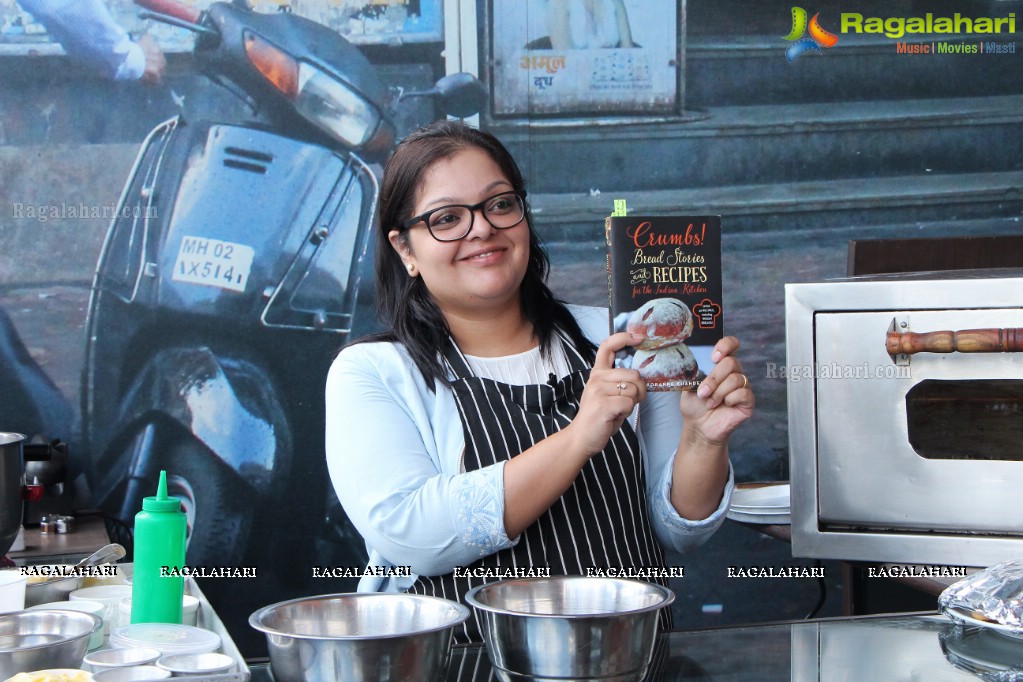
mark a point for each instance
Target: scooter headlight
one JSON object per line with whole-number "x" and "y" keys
{"x": 324, "y": 101}
{"x": 339, "y": 110}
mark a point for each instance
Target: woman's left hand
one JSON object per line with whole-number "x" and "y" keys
{"x": 724, "y": 399}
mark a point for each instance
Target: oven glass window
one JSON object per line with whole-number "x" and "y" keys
{"x": 978, "y": 419}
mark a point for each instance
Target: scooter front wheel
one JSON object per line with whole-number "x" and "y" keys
{"x": 218, "y": 505}
{"x": 217, "y": 502}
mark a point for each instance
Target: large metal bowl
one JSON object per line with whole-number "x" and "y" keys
{"x": 37, "y": 639}
{"x": 570, "y": 627}
{"x": 368, "y": 637}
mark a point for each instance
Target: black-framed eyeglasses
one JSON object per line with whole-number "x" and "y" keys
{"x": 453, "y": 222}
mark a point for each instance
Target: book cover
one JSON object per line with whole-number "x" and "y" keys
{"x": 664, "y": 281}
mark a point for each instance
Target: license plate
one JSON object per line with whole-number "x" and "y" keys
{"x": 213, "y": 263}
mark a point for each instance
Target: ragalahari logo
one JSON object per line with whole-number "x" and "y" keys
{"x": 817, "y": 39}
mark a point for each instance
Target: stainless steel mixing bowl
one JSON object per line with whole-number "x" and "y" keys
{"x": 367, "y": 637}
{"x": 38, "y": 639}
{"x": 44, "y": 591}
{"x": 570, "y": 627}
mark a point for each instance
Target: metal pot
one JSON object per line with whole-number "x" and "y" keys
{"x": 12, "y": 465}
{"x": 378, "y": 637}
{"x": 570, "y": 627}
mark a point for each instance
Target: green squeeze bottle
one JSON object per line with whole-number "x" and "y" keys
{"x": 159, "y": 547}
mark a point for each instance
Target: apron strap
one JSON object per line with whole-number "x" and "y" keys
{"x": 455, "y": 360}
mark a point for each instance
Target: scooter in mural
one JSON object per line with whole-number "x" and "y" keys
{"x": 230, "y": 278}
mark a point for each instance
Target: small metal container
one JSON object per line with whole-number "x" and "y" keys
{"x": 38, "y": 639}
{"x": 121, "y": 658}
{"x": 132, "y": 674}
{"x": 368, "y": 636}
{"x": 56, "y": 588}
{"x": 189, "y": 665}
{"x": 570, "y": 627}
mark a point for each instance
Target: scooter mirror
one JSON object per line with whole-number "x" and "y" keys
{"x": 461, "y": 94}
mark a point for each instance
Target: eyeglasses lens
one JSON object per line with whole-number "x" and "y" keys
{"x": 451, "y": 223}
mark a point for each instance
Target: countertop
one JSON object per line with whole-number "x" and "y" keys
{"x": 919, "y": 646}
{"x": 88, "y": 535}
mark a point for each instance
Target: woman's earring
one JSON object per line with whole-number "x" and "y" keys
{"x": 409, "y": 267}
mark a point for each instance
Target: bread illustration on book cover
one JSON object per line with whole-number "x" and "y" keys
{"x": 664, "y": 282}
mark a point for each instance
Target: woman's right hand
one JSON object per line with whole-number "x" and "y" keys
{"x": 610, "y": 395}
{"x": 536, "y": 478}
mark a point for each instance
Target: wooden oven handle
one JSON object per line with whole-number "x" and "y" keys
{"x": 963, "y": 341}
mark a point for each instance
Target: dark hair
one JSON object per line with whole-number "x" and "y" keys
{"x": 403, "y": 303}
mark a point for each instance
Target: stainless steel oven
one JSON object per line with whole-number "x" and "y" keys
{"x": 905, "y": 399}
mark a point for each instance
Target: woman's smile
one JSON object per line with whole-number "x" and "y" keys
{"x": 484, "y": 257}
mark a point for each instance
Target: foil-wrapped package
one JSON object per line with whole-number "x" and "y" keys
{"x": 994, "y": 594}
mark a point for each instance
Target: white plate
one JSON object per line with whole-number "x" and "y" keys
{"x": 768, "y": 498}
{"x": 960, "y": 614}
{"x": 750, "y": 509}
{"x": 763, "y": 518}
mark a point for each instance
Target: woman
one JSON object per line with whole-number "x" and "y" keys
{"x": 486, "y": 430}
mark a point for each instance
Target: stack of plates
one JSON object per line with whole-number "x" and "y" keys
{"x": 768, "y": 504}
{"x": 168, "y": 638}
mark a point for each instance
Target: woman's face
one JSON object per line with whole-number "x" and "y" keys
{"x": 482, "y": 272}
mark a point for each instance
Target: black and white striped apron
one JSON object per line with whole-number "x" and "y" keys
{"x": 601, "y": 521}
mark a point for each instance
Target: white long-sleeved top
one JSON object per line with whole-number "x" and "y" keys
{"x": 87, "y": 31}
{"x": 394, "y": 450}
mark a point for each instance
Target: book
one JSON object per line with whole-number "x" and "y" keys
{"x": 664, "y": 281}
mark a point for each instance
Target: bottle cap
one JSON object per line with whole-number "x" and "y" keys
{"x": 161, "y": 503}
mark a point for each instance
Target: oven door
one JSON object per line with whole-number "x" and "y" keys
{"x": 931, "y": 445}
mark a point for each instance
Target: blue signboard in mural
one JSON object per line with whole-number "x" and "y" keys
{"x": 360, "y": 21}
